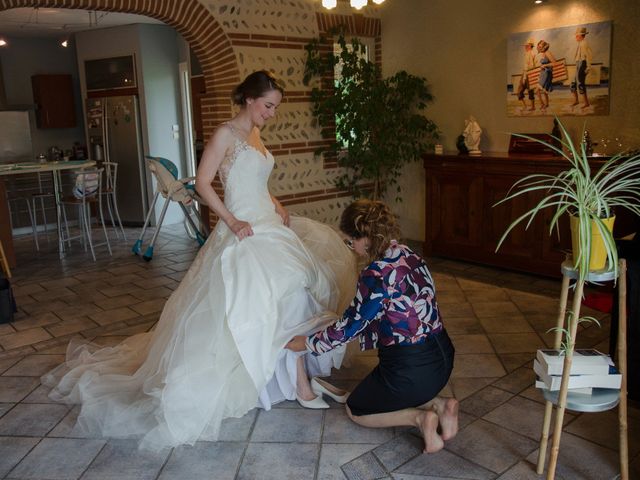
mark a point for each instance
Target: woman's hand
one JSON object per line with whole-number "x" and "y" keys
{"x": 280, "y": 210}
{"x": 241, "y": 229}
{"x": 297, "y": 344}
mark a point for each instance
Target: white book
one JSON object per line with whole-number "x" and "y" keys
{"x": 552, "y": 382}
{"x": 583, "y": 391}
{"x": 585, "y": 361}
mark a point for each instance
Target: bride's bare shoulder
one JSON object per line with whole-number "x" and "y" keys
{"x": 223, "y": 138}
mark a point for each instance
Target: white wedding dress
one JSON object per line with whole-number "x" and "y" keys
{"x": 217, "y": 350}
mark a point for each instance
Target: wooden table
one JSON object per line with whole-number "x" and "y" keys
{"x": 26, "y": 168}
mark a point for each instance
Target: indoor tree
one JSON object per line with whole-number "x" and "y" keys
{"x": 375, "y": 125}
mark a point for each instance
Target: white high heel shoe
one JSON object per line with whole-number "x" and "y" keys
{"x": 316, "y": 404}
{"x": 320, "y": 387}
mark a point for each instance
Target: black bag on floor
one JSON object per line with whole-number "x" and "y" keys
{"x": 7, "y": 301}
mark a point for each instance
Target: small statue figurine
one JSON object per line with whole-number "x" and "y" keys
{"x": 472, "y": 133}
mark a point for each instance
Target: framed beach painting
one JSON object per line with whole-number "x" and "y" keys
{"x": 559, "y": 71}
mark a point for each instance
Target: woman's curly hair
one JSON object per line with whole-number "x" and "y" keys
{"x": 372, "y": 219}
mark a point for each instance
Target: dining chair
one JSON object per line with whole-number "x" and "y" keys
{"x": 109, "y": 192}
{"x": 86, "y": 192}
{"x": 44, "y": 193}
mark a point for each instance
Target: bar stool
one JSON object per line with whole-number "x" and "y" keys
{"x": 87, "y": 191}
{"x": 42, "y": 195}
{"x": 602, "y": 399}
{"x": 109, "y": 191}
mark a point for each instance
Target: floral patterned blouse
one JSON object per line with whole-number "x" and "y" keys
{"x": 395, "y": 304}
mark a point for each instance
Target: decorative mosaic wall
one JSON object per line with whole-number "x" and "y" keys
{"x": 232, "y": 38}
{"x": 272, "y": 34}
{"x": 280, "y": 18}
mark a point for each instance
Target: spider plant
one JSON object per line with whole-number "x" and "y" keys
{"x": 567, "y": 344}
{"x": 588, "y": 195}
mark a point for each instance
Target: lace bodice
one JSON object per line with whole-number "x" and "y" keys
{"x": 244, "y": 173}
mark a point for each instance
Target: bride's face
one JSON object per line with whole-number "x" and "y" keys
{"x": 263, "y": 108}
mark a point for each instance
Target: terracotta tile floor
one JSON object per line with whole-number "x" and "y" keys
{"x": 497, "y": 321}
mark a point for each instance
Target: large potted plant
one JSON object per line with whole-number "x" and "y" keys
{"x": 588, "y": 195}
{"x": 374, "y": 125}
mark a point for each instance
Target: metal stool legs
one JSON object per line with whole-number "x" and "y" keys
{"x": 137, "y": 247}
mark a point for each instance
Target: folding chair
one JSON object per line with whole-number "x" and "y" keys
{"x": 173, "y": 189}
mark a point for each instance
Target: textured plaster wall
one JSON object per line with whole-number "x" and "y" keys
{"x": 271, "y": 34}
{"x": 460, "y": 46}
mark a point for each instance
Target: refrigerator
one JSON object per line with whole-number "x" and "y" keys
{"x": 114, "y": 134}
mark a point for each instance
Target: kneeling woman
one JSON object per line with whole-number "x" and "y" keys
{"x": 395, "y": 310}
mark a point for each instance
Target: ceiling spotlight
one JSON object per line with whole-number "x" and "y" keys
{"x": 65, "y": 43}
{"x": 3, "y": 42}
{"x": 378, "y": 2}
{"x": 329, "y": 4}
{"x": 358, "y": 4}
{"x": 538, "y": 2}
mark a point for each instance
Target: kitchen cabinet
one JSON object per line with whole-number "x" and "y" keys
{"x": 53, "y": 96}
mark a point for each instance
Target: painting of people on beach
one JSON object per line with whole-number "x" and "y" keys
{"x": 559, "y": 71}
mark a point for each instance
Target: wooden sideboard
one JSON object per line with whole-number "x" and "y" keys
{"x": 462, "y": 222}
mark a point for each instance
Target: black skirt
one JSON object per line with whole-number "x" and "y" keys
{"x": 407, "y": 376}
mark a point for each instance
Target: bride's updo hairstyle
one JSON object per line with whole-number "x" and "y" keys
{"x": 255, "y": 86}
{"x": 374, "y": 220}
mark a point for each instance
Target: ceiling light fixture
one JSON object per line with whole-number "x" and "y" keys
{"x": 3, "y": 42}
{"x": 64, "y": 42}
{"x": 357, "y": 4}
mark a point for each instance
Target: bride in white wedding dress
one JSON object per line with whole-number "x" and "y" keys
{"x": 217, "y": 350}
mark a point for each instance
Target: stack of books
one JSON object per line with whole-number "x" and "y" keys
{"x": 589, "y": 369}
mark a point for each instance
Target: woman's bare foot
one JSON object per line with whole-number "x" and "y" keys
{"x": 429, "y": 428}
{"x": 449, "y": 419}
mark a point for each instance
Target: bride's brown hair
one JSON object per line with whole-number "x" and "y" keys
{"x": 255, "y": 86}
{"x": 374, "y": 220}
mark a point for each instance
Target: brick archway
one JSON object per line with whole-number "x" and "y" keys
{"x": 198, "y": 27}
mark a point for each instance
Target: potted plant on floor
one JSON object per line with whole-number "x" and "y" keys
{"x": 374, "y": 125}
{"x": 589, "y": 196}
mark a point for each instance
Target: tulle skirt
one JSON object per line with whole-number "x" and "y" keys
{"x": 217, "y": 350}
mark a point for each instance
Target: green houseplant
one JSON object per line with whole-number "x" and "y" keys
{"x": 589, "y": 196}
{"x": 374, "y": 124}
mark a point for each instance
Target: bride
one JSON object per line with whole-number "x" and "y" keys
{"x": 217, "y": 351}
